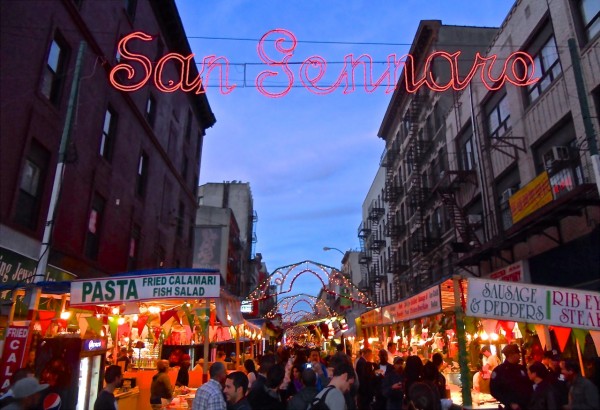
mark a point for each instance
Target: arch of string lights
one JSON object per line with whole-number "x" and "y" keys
{"x": 331, "y": 279}
{"x": 288, "y": 305}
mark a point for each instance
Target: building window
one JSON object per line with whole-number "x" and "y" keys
{"x": 188, "y": 126}
{"x": 142, "y": 175}
{"x": 31, "y": 186}
{"x": 180, "y": 216}
{"x": 498, "y": 116}
{"x": 134, "y": 245}
{"x": 467, "y": 153}
{"x": 184, "y": 168}
{"x": 130, "y": 7}
{"x": 92, "y": 237}
{"x": 151, "y": 110}
{"x": 546, "y": 61}
{"x": 54, "y": 71}
{"x": 589, "y": 18}
{"x": 107, "y": 139}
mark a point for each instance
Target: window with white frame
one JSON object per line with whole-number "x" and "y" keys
{"x": 546, "y": 62}
{"x": 498, "y": 116}
{"x": 54, "y": 70}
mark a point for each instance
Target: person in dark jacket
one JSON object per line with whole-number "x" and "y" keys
{"x": 544, "y": 395}
{"x": 366, "y": 374}
{"x": 183, "y": 375}
{"x": 236, "y": 386}
{"x": 393, "y": 385}
{"x": 556, "y": 378}
{"x": 509, "y": 382}
{"x": 413, "y": 371}
{"x": 304, "y": 396}
{"x": 438, "y": 361}
{"x": 583, "y": 394}
{"x": 267, "y": 396}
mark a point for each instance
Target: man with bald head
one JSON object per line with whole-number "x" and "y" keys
{"x": 210, "y": 395}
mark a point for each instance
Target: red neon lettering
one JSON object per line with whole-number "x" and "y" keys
{"x": 208, "y": 65}
{"x": 288, "y": 52}
{"x": 350, "y": 65}
{"x": 144, "y": 61}
{"x": 518, "y": 69}
{"x": 169, "y": 85}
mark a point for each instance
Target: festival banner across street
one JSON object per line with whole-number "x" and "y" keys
{"x": 538, "y": 304}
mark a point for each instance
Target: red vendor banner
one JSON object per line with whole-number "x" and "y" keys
{"x": 13, "y": 354}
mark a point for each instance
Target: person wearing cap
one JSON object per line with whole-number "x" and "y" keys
{"x": 26, "y": 394}
{"x": 509, "y": 382}
{"x": 552, "y": 362}
{"x": 183, "y": 375}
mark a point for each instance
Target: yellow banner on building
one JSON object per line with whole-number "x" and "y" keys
{"x": 531, "y": 197}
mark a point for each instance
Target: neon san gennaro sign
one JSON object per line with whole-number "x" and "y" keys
{"x": 517, "y": 69}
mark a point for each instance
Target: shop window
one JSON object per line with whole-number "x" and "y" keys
{"x": 55, "y": 70}
{"x": 109, "y": 130}
{"x": 546, "y": 62}
{"x": 31, "y": 186}
{"x": 94, "y": 228}
{"x": 142, "y": 175}
{"x": 498, "y": 115}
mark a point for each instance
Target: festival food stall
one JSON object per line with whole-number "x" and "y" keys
{"x": 498, "y": 312}
{"x": 153, "y": 314}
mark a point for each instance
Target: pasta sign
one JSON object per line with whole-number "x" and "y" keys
{"x": 518, "y": 69}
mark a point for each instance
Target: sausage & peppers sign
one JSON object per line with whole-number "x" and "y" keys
{"x": 526, "y": 302}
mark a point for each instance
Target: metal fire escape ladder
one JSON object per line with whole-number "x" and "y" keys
{"x": 463, "y": 229}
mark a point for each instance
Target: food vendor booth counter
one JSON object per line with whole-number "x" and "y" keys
{"x": 161, "y": 314}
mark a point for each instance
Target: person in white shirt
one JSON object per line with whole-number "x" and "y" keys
{"x": 392, "y": 351}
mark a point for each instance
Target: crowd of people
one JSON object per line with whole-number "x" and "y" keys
{"x": 301, "y": 379}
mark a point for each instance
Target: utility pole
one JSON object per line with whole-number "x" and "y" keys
{"x": 585, "y": 111}
{"x": 42, "y": 266}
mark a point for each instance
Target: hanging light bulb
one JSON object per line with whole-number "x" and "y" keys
{"x": 65, "y": 314}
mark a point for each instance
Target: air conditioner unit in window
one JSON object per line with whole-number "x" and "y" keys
{"x": 556, "y": 154}
{"x": 507, "y": 194}
{"x": 473, "y": 219}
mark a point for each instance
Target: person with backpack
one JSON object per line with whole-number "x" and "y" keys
{"x": 332, "y": 396}
{"x": 307, "y": 393}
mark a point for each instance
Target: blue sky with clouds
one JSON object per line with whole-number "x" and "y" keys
{"x": 309, "y": 159}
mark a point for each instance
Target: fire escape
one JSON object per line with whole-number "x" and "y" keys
{"x": 395, "y": 227}
{"x": 375, "y": 243}
{"x": 365, "y": 257}
{"x": 417, "y": 192}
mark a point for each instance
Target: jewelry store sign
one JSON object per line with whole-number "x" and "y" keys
{"x": 174, "y": 285}
{"x": 526, "y": 302}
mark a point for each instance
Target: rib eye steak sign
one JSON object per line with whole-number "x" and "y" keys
{"x": 175, "y": 285}
{"x": 526, "y": 302}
